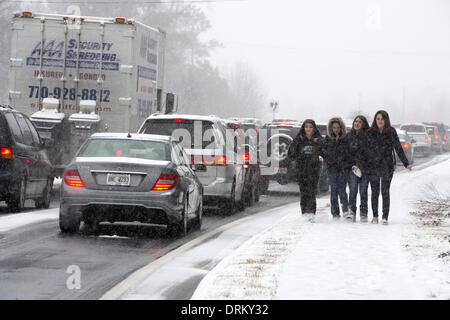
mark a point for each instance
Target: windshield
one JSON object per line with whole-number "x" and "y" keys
{"x": 149, "y": 150}
{"x": 182, "y": 128}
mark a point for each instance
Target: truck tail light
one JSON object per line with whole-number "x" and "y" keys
{"x": 426, "y": 140}
{"x": 72, "y": 178}
{"x": 121, "y": 20}
{"x": 165, "y": 182}
{"x": 436, "y": 137}
{"x": 28, "y": 14}
{"x": 7, "y": 153}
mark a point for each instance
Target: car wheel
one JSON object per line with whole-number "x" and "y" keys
{"x": 228, "y": 207}
{"x": 250, "y": 196}
{"x": 44, "y": 202}
{"x": 16, "y": 202}
{"x": 198, "y": 220}
{"x": 66, "y": 224}
{"x": 263, "y": 185}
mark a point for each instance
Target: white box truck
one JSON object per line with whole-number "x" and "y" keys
{"x": 78, "y": 75}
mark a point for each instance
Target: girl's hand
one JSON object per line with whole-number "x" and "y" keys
{"x": 354, "y": 168}
{"x": 409, "y": 167}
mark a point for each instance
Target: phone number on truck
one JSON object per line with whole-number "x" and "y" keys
{"x": 69, "y": 93}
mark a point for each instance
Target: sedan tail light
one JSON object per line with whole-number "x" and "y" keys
{"x": 7, "y": 153}
{"x": 165, "y": 182}
{"x": 405, "y": 146}
{"x": 72, "y": 178}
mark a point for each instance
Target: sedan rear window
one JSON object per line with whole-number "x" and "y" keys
{"x": 167, "y": 127}
{"x": 149, "y": 150}
{"x": 413, "y": 128}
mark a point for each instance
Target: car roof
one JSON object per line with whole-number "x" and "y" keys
{"x": 7, "y": 108}
{"x": 412, "y": 124}
{"x": 134, "y": 136}
{"x": 185, "y": 116}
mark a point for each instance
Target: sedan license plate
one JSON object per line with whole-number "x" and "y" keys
{"x": 117, "y": 179}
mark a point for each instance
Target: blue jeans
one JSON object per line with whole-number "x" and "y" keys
{"x": 338, "y": 185}
{"x": 363, "y": 182}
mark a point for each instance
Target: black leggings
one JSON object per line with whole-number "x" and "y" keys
{"x": 384, "y": 179}
{"x": 308, "y": 190}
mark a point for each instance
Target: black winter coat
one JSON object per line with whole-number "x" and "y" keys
{"x": 381, "y": 148}
{"x": 306, "y": 154}
{"x": 359, "y": 150}
{"x": 337, "y": 153}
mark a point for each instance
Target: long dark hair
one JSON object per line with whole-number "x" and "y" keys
{"x": 365, "y": 124}
{"x": 301, "y": 133}
{"x": 387, "y": 121}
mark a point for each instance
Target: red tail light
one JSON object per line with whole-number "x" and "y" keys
{"x": 6, "y": 153}
{"x": 284, "y": 126}
{"x": 445, "y": 138}
{"x": 245, "y": 157}
{"x": 426, "y": 140}
{"x": 72, "y": 178}
{"x": 165, "y": 182}
{"x": 436, "y": 137}
{"x": 178, "y": 120}
{"x": 405, "y": 146}
{"x": 221, "y": 161}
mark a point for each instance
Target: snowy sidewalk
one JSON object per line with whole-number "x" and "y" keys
{"x": 296, "y": 259}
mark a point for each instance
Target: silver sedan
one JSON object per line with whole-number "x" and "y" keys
{"x": 118, "y": 177}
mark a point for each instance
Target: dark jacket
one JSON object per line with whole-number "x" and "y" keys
{"x": 381, "y": 148}
{"x": 306, "y": 154}
{"x": 336, "y": 151}
{"x": 359, "y": 151}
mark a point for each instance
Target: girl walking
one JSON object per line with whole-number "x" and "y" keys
{"x": 382, "y": 141}
{"x": 336, "y": 154}
{"x": 305, "y": 150}
{"x": 358, "y": 176}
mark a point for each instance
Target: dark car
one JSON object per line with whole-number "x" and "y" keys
{"x": 280, "y": 134}
{"x": 25, "y": 170}
{"x": 118, "y": 177}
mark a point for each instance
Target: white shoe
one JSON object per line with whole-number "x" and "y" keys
{"x": 310, "y": 217}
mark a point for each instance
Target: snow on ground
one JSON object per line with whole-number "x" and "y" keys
{"x": 296, "y": 259}
{"x": 13, "y": 221}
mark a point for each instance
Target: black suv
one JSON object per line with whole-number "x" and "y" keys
{"x": 286, "y": 130}
{"x": 25, "y": 170}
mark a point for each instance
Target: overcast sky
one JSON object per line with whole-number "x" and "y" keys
{"x": 321, "y": 58}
